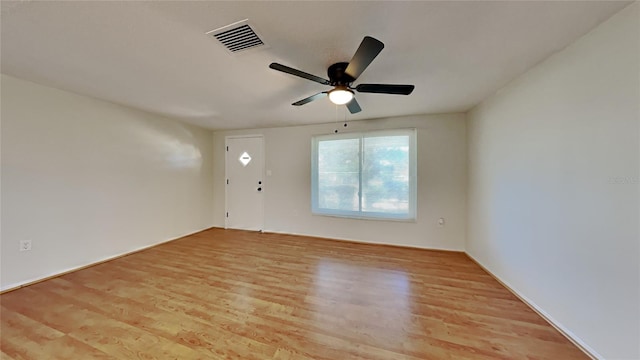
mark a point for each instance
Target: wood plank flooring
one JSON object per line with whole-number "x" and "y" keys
{"x": 228, "y": 294}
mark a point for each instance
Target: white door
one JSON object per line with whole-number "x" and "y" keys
{"x": 244, "y": 169}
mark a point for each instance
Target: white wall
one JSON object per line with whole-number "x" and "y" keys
{"x": 86, "y": 180}
{"x": 441, "y": 183}
{"x": 553, "y": 186}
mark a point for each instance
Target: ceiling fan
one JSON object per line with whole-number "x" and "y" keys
{"x": 343, "y": 74}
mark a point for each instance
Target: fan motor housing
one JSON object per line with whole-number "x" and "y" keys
{"x": 337, "y": 75}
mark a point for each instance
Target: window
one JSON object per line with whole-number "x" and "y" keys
{"x": 365, "y": 175}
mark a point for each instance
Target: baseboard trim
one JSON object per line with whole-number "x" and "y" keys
{"x": 361, "y": 241}
{"x": 69, "y": 271}
{"x": 561, "y": 329}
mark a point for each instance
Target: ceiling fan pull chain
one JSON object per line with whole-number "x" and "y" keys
{"x": 336, "y": 123}
{"x": 344, "y": 111}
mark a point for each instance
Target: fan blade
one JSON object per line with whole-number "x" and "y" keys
{"x": 310, "y": 99}
{"x": 302, "y": 74}
{"x": 385, "y": 89}
{"x": 368, "y": 50}
{"x": 353, "y": 106}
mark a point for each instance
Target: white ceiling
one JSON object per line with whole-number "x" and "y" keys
{"x": 155, "y": 56}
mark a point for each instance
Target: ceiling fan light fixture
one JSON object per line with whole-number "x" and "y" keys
{"x": 343, "y": 74}
{"x": 340, "y": 95}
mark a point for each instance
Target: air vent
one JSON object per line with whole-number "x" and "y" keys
{"x": 238, "y": 37}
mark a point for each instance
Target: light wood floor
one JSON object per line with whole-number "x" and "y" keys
{"x": 225, "y": 294}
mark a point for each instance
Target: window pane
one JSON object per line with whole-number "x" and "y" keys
{"x": 369, "y": 175}
{"x": 385, "y": 175}
{"x": 338, "y": 174}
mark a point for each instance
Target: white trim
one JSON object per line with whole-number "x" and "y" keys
{"x": 56, "y": 274}
{"x": 548, "y": 318}
{"x": 364, "y": 242}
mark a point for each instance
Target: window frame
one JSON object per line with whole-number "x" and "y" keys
{"x": 411, "y": 214}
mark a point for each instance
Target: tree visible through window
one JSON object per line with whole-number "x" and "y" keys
{"x": 368, "y": 175}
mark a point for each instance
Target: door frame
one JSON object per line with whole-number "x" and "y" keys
{"x": 226, "y": 175}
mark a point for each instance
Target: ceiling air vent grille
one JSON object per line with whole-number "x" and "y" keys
{"x": 237, "y": 37}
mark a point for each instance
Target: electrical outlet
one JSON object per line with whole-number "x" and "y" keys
{"x": 25, "y": 245}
